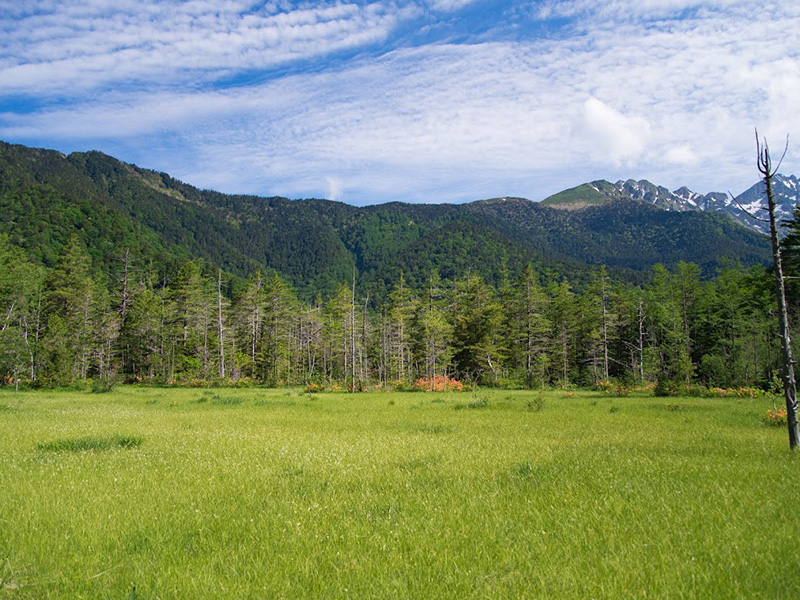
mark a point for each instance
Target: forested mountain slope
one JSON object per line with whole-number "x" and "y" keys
{"x": 315, "y": 244}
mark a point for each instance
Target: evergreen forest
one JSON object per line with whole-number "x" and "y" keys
{"x": 109, "y": 273}
{"x": 65, "y": 324}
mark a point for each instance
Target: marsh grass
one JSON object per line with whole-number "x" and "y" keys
{"x": 353, "y": 497}
{"x": 536, "y": 404}
{"x": 436, "y": 429}
{"x": 215, "y": 398}
{"x": 88, "y": 443}
{"x": 478, "y": 400}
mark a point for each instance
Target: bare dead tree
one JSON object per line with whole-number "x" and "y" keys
{"x": 220, "y": 326}
{"x": 765, "y": 168}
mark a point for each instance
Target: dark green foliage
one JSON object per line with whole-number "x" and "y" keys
{"x": 476, "y": 330}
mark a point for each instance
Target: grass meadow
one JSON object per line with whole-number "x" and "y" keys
{"x": 254, "y": 493}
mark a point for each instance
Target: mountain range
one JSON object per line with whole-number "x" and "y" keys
{"x": 314, "y": 244}
{"x": 742, "y": 208}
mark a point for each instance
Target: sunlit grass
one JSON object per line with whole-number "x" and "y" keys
{"x": 274, "y": 493}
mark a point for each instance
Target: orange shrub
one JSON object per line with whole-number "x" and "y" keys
{"x": 776, "y": 418}
{"x": 440, "y": 383}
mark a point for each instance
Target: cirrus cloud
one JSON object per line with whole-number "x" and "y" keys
{"x": 358, "y": 101}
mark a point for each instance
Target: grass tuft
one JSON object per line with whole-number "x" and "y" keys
{"x": 214, "y": 398}
{"x": 525, "y": 470}
{"x": 535, "y": 404}
{"x": 5, "y": 573}
{"x": 226, "y": 400}
{"x": 436, "y": 429}
{"x": 478, "y": 401}
{"x": 103, "y": 387}
{"x": 89, "y": 443}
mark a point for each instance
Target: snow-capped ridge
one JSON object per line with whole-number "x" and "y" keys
{"x": 786, "y": 190}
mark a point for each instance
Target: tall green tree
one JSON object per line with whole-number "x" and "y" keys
{"x": 278, "y": 351}
{"x": 564, "y": 316}
{"x": 66, "y": 345}
{"x": 529, "y": 328}
{"x": 667, "y": 304}
{"x": 248, "y": 312}
{"x": 190, "y": 323}
{"x": 476, "y": 318}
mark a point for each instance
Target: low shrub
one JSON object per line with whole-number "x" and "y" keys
{"x": 478, "y": 401}
{"x": 742, "y": 392}
{"x": 440, "y": 383}
{"x": 776, "y": 418}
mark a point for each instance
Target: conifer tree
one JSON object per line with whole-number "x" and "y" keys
{"x": 529, "y": 328}
{"x": 476, "y": 321}
{"x": 68, "y": 290}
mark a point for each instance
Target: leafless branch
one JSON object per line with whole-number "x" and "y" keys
{"x": 764, "y": 161}
{"x": 747, "y": 212}
{"x": 785, "y": 150}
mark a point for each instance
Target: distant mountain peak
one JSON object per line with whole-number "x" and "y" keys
{"x": 786, "y": 190}
{"x": 588, "y": 194}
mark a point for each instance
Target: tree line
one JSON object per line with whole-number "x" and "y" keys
{"x": 69, "y": 323}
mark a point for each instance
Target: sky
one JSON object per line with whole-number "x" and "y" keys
{"x": 408, "y": 100}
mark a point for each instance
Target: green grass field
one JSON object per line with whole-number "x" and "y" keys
{"x": 191, "y": 493}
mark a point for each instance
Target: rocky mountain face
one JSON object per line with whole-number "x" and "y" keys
{"x": 786, "y": 189}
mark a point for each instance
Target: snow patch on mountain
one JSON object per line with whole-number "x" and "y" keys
{"x": 786, "y": 191}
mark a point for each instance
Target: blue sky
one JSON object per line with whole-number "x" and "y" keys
{"x": 408, "y": 100}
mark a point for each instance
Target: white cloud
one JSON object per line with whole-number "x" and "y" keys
{"x": 620, "y": 137}
{"x": 672, "y": 100}
{"x": 681, "y": 155}
{"x": 81, "y": 47}
{"x": 449, "y": 5}
{"x": 626, "y": 10}
{"x": 334, "y": 187}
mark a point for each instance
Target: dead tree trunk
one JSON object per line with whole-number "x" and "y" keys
{"x": 789, "y": 385}
{"x": 220, "y": 326}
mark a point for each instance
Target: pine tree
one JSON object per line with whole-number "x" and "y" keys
{"x": 190, "y": 323}
{"x": 280, "y": 306}
{"x": 529, "y": 328}
{"x": 667, "y": 308}
{"x": 68, "y": 292}
{"x": 476, "y": 322}
{"x": 563, "y": 317}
